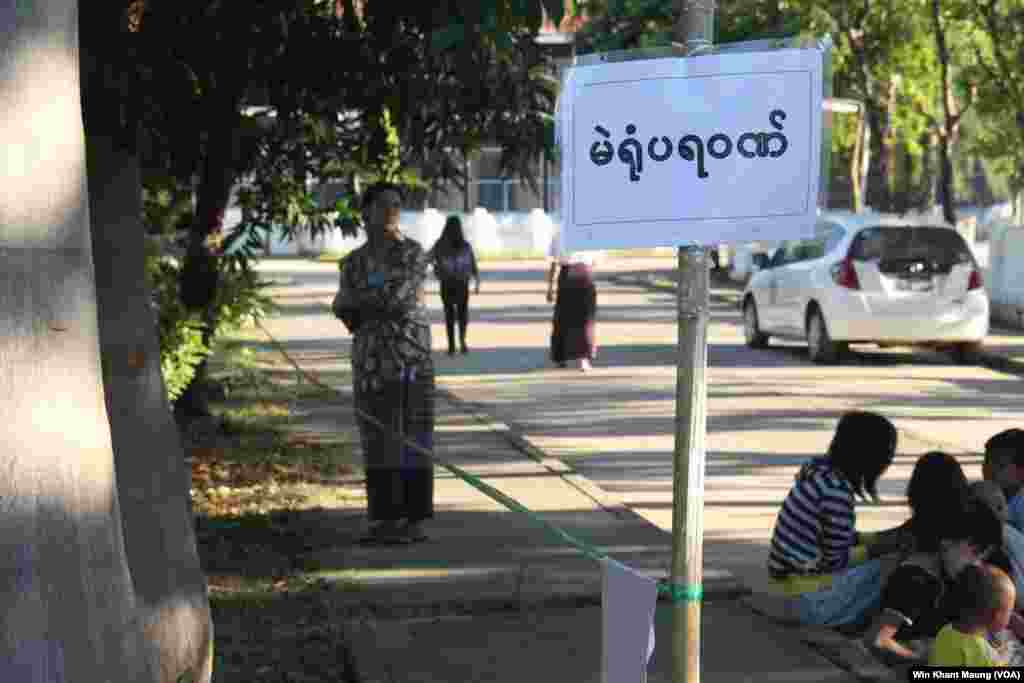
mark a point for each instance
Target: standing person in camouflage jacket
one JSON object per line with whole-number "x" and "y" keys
{"x": 381, "y": 300}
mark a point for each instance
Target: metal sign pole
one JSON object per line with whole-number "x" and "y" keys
{"x": 688, "y": 479}
{"x": 694, "y": 31}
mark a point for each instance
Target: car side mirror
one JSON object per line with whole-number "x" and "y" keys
{"x": 760, "y": 260}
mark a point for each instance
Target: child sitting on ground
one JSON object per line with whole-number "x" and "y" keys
{"x": 950, "y": 530}
{"x": 985, "y": 596}
{"x": 1009, "y": 557}
{"x": 815, "y": 539}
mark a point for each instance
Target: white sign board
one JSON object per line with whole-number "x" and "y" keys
{"x": 707, "y": 149}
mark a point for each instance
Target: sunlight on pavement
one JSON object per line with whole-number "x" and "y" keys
{"x": 442, "y": 572}
{"x": 768, "y": 410}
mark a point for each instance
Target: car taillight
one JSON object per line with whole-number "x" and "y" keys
{"x": 975, "y": 281}
{"x": 845, "y": 275}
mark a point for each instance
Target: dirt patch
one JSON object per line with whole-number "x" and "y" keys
{"x": 290, "y": 638}
{"x": 270, "y": 472}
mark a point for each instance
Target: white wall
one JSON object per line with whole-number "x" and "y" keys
{"x": 1006, "y": 273}
{"x": 514, "y": 232}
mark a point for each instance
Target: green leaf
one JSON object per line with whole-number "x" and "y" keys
{"x": 447, "y": 37}
{"x": 529, "y": 11}
{"x": 502, "y": 41}
{"x": 550, "y": 147}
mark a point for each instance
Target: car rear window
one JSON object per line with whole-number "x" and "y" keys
{"x": 895, "y": 249}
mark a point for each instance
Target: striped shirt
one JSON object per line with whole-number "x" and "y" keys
{"x": 814, "y": 530}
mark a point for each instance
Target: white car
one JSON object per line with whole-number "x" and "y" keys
{"x": 742, "y": 264}
{"x": 869, "y": 279}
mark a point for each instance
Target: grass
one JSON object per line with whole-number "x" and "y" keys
{"x": 266, "y": 499}
{"x": 260, "y": 463}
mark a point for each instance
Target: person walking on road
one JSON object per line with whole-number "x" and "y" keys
{"x": 572, "y": 334}
{"x": 381, "y": 300}
{"x": 455, "y": 265}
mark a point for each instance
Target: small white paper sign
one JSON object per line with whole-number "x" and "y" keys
{"x": 708, "y": 149}
{"x": 628, "y": 601}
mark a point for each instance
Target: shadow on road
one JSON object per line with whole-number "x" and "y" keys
{"x": 770, "y": 410}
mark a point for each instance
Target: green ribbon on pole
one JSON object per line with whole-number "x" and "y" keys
{"x": 677, "y": 593}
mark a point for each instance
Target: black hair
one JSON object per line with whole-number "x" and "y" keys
{"x": 1007, "y": 441}
{"x": 452, "y": 236}
{"x": 977, "y": 588}
{"x": 981, "y": 526}
{"x": 968, "y": 519}
{"x": 375, "y": 189}
{"x": 940, "y": 500}
{"x": 862, "y": 448}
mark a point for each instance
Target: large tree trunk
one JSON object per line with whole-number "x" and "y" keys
{"x": 1018, "y": 210}
{"x": 879, "y": 191}
{"x": 67, "y": 604}
{"x": 929, "y": 178}
{"x": 856, "y": 159}
{"x": 200, "y": 274}
{"x": 152, "y": 479}
{"x": 169, "y": 585}
{"x": 945, "y": 191}
{"x": 904, "y": 197}
{"x": 878, "y": 101}
{"x": 950, "y": 119}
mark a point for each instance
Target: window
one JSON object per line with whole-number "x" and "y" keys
{"x": 810, "y": 249}
{"x": 868, "y": 245}
{"x": 899, "y": 248}
{"x": 779, "y": 258}
{"x": 491, "y": 194}
{"x": 833, "y": 235}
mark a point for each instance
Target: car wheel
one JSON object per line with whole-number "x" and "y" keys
{"x": 967, "y": 353}
{"x": 756, "y": 339}
{"x": 820, "y": 347}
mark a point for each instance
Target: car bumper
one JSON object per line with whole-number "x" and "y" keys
{"x": 961, "y": 322}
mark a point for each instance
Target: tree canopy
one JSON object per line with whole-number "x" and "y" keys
{"x": 921, "y": 80}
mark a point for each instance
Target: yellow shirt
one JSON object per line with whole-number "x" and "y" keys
{"x": 953, "y": 648}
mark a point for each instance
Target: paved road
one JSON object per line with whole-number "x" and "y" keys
{"x": 768, "y": 410}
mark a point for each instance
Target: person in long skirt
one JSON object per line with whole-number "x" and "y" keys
{"x": 381, "y": 300}
{"x": 454, "y": 264}
{"x": 572, "y": 333}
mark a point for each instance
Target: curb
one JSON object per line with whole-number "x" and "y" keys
{"x": 513, "y": 590}
{"x": 999, "y": 363}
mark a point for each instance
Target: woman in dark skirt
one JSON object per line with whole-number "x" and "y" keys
{"x": 381, "y": 300}
{"x": 454, "y": 264}
{"x": 572, "y": 334}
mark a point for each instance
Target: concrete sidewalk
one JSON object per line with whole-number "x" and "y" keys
{"x": 494, "y": 595}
